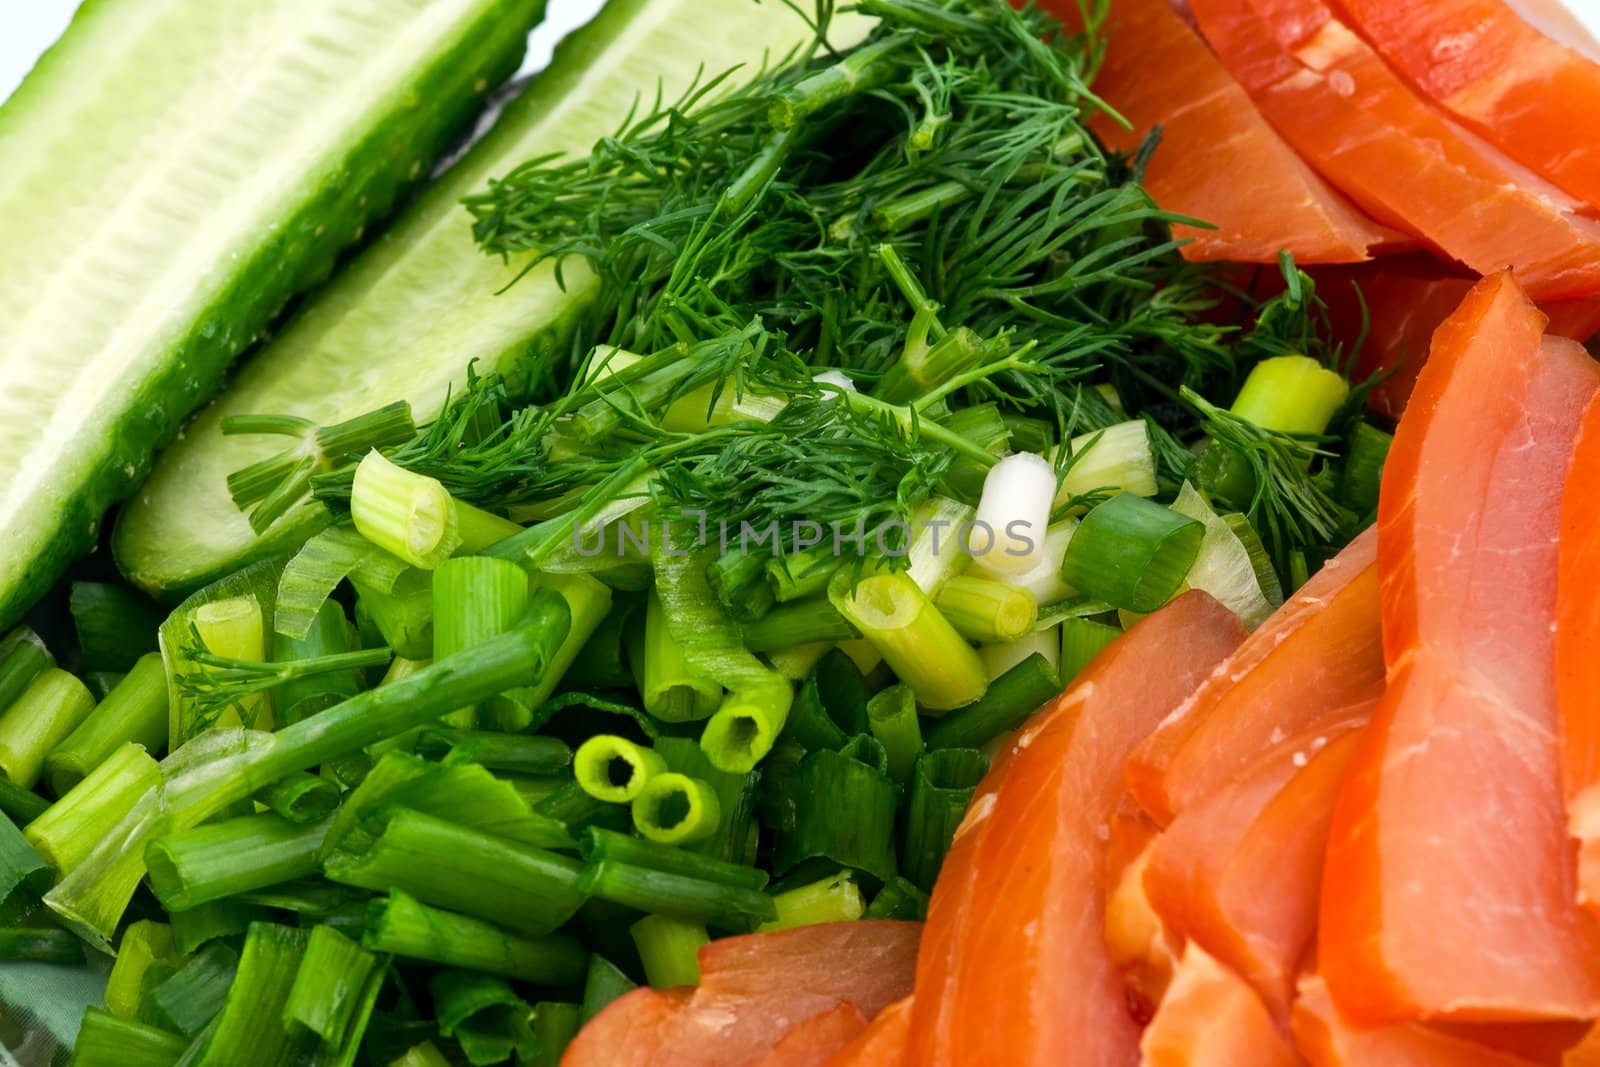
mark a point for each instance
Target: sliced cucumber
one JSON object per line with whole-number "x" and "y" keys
{"x": 170, "y": 174}
{"x": 404, "y": 319}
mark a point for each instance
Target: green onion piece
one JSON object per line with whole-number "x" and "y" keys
{"x": 517, "y": 753}
{"x": 1044, "y": 641}
{"x": 328, "y": 634}
{"x": 73, "y": 825}
{"x": 745, "y": 726}
{"x": 577, "y": 810}
{"x": 736, "y": 836}
{"x": 134, "y": 711}
{"x": 1291, "y": 394}
{"x": 1012, "y": 697}
{"x": 404, "y": 927}
{"x": 1225, "y": 567}
{"x": 115, "y": 625}
{"x": 222, "y": 859}
{"x": 915, "y": 639}
{"x": 936, "y": 553}
{"x": 798, "y": 575}
{"x": 250, "y": 1029}
{"x": 312, "y": 574}
{"x": 518, "y": 886}
{"x": 831, "y": 707}
{"x": 232, "y": 627}
{"x": 188, "y": 1000}
{"x": 20, "y": 865}
{"x": 1081, "y": 641}
{"x": 985, "y": 610}
{"x": 614, "y": 769}
{"x": 22, "y": 658}
{"x": 892, "y": 716}
{"x": 484, "y": 1015}
{"x": 403, "y": 616}
{"x": 476, "y": 598}
{"x": 923, "y": 369}
{"x": 669, "y": 949}
{"x": 898, "y": 899}
{"x": 681, "y": 896}
{"x": 603, "y": 984}
{"x": 37, "y": 944}
{"x": 426, "y": 1054}
{"x": 739, "y": 579}
{"x": 205, "y": 923}
{"x": 301, "y": 798}
{"x": 797, "y": 623}
{"x": 602, "y": 662}
{"x": 1132, "y": 553}
{"x": 1365, "y": 455}
{"x": 329, "y": 985}
{"x": 479, "y": 529}
{"x": 1043, "y": 580}
{"x": 942, "y": 784}
{"x": 49, "y": 709}
{"x": 600, "y": 844}
{"x": 833, "y": 899}
{"x": 796, "y": 662}
{"x": 143, "y": 943}
{"x": 674, "y": 809}
{"x": 105, "y": 1040}
{"x": 672, "y": 690}
{"x": 409, "y": 515}
{"x": 985, "y": 427}
{"x": 20, "y": 805}
{"x": 555, "y": 1024}
{"x": 844, "y": 806}
{"x": 1118, "y": 458}
{"x": 588, "y": 606}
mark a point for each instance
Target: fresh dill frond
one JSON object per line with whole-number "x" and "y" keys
{"x": 212, "y": 684}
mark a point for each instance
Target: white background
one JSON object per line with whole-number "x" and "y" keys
{"x": 28, "y": 26}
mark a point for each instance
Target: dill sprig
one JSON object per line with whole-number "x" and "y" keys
{"x": 213, "y": 684}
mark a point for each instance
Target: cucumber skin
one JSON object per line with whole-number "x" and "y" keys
{"x": 392, "y": 159}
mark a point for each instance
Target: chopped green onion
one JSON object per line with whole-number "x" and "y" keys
{"x": 682, "y": 896}
{"x": 603, "y": 984}
{"x": 735, "y": 838}
{"x": 20, "y": 865}
{"x": 409, "y": 515}
{"x": 602, "y": 662}
{"x": 1044, "y": 640}
{"x": 1012, "y": 697}
{"x": 892, "y": 716}
{"x": 745, "y": 726}
{"x": 484, "y": 1015}
{"x": 1081, "y": 641}
{"x": 614, "y": 769}
{"x": 942, "y": 784}
{"x": 301, "y": 798}
{"x": 143, "y": 943}
{"x": 233, "y": 627}
{"x": 1363, "y": 468}
{"x": 600, "y": 844}
{"x": 672, "y": 690}
{"x": 831, "y": 707}
{"x": 898, "y": 899}
{"x": 115, "y": 625}
{"x": 739, "y": 580}
{"x": 101, "y": 683}
{"x": 426, "y": 1054}
{"x": 796, "y": 662}
{"x": 20, "y": 805}
{"x": 518, "y": 886}
{"x": 922, "y": 369}
{"x": 134, "y": 711}
{"x": 588, "y": 606}
{"x": 250, "y": 1029}
{"x": 674, "y": 809}
{"x": 1008, "y": 532}
{"x": 844, "y": 807}
{"x": 1291, "y": 394}
{"x": 669, "y": 949}
{"x": 404, "y": 927}
{"x": 73, "y": 825}
{"x": 555, "y": 1024}
{"x": 188, "y": 1000}
{"x": 334, "y": 992}
{"x": 479, "y": 529}
{"x": 916, "y": 640}
{"x": 570, "y": 806}
{"x": 1132, "y": 553}
{"x": 312, "y": 574}
{"x": 1224, "y": 566}
{"x": 986, "y": 611}
{"x": 404, "y": 615}
{"x": 936, "y": 554}
{"x": 39, "y": 944}
{"x": 105, "y": 1040}
{"x": 329, "y": 634}
{"x": 476, "y": 598}
{"x": 833, "y": 899}
{"x": 22, "y": 658}
{"x": 49, "y": 709}
{"x": 222, "y": 859}
{"x": 516, "y": 753}
{"x": 798, "y": 575}
{"x": 205, "y": 923}
{"x": 797, "y": 623}
{"x": 1116, "y": 459}
{"x": 1042, "y": 581}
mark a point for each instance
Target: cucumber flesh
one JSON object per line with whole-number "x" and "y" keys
{"x": 407, "y": 316}
{"x": 170, "y": 174}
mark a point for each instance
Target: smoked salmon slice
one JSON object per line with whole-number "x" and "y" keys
{"x": 753, "y": 991}
{"x": 1365, "y": 131}
{"x": 1495, "y": 73}
{"x": 1013, "y": 967}
{"x": 882, "y": 1044}
{"x": 1317, "y": 659}
{"x": 1577, "y": 661}
{"x": 1218, "y": 160}
{"x": 814, "y": 1042}
{"x": 1211, "y": 1018}
{"x": 1239, "y": 873}
{"x": 1327, "y": 1038}
{"x": 1448, "y": 890}
{"x": 1139, "y": 940}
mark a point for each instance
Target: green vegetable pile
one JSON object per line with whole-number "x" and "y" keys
{"x": 691, "y": 632}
